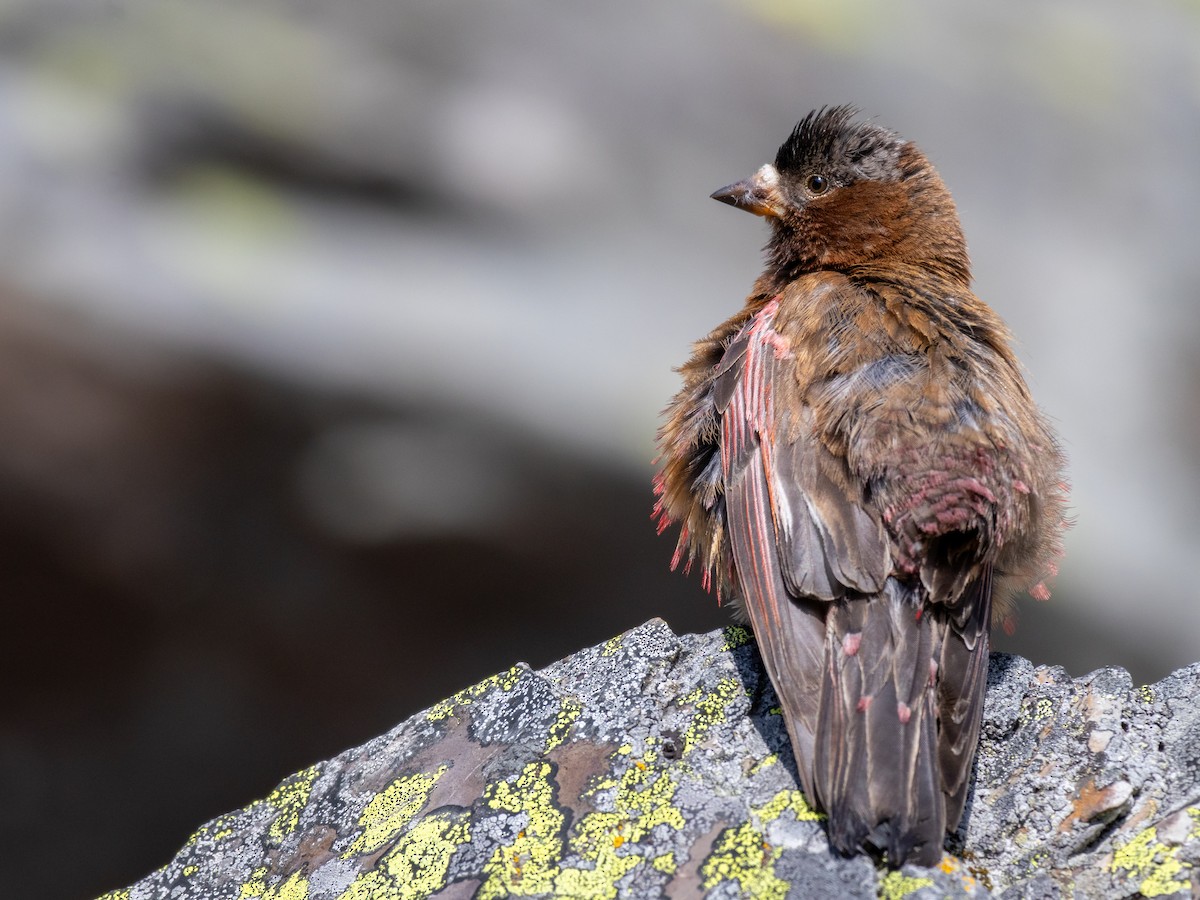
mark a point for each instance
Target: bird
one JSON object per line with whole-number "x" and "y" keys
{"x": 855, "y": 461}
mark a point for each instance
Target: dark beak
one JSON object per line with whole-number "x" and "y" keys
{"x": 756, "y": 194}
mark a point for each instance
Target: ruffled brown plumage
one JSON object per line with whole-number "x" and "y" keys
{"x": 856, "y": 460}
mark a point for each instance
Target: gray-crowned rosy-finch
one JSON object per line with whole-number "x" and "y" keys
{"x": 856, "y": 459}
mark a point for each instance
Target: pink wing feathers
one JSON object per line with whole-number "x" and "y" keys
{"x": 793, "y": 547}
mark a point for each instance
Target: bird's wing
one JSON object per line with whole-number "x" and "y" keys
{"x": 825, "y": 538}
{"x": 798, "y": 538}
{"x": 962, "y": 668}
{"x": 876, "y": 756}
{"x": 899, "y": 720}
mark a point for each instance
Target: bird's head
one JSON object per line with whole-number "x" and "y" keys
{"x": 843, "y": 193}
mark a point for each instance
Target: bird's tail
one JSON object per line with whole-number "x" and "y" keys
{"x": 878, "y": 769}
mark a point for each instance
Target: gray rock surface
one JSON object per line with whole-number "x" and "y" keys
{"x": 657, "y": 765}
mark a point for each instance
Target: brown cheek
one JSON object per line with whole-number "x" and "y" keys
{"x": 856, "y": 224}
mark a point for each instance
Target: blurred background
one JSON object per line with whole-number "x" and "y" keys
{"x": 333, "y": 338}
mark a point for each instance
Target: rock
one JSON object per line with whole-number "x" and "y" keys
{"x": 657, "y": 765}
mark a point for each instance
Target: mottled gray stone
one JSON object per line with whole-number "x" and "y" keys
{"x": 657, "y": 765}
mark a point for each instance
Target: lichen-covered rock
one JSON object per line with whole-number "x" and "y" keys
{"x": 1088, "y": 785}
{"x": 657, "y": 765}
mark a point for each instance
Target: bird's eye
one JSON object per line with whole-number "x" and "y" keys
{"x": 816, "y": 184}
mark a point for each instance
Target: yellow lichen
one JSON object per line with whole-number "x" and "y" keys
{"x": 743, "y": 854}
{"x": 611, "y": 841}
{"x": 120, "y": 894}
{"x": 567, "y": 714}
{"x": 1155, "y": 865}
{"x": 529, "y": 862}
{"x": 596, "y": 829}
{"x": 611, "y": 646}
{"x": 608, "y": 841}
{"x": 505, "y": 681}
{"x": 1030, "y": 712}
{"x": 254, "y": 886}
{"x": 390, "y": 811}
{"x": 734, "y": 636}
{"x": 218, "y": 829}
{"x": 1146, "y": 693}
{"x": 710, "y": 709}
{"x": 290, "y": 798}
{"x": 665, "y": 863}
{"x": 600, "y": 881}
{"x": 416, "y": 867}
{"x": 787, "y": 801}
{"x": 765, "y": 763}
{"x": 894, "y": 885}
{"x": 646, "y": 797}
{"x": 223, "y": 828}
{"x": 294, "y": 887}
{"x": 643, "y": 799}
